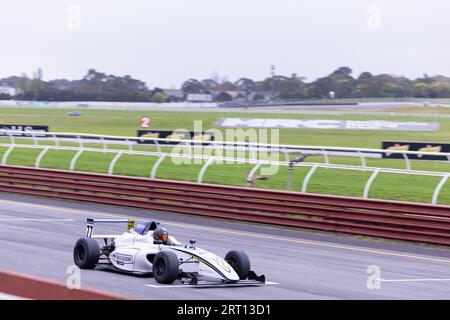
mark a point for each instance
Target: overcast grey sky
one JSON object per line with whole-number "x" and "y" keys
{"x": 164, "y": 42}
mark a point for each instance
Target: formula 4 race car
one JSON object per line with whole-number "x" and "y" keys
{"x": 147, "y": 248}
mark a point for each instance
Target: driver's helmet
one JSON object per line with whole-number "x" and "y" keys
{"x": 160, "y": 233}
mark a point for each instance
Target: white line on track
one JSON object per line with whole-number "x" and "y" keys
{"x": 193, "y": 287}
{"x": 413, "y": 280}
{"x": 4, "y": 296}
{"x": 36, "y": 219}
{"x": 246, "y": 234}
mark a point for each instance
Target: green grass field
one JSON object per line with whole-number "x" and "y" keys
{"x": 325, "y": 181}
{"x": 127, "y": 122}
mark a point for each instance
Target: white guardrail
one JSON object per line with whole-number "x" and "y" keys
{"x": 82, "y": 139}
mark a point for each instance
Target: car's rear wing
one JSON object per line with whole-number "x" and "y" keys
{"x": 90, "y": 226}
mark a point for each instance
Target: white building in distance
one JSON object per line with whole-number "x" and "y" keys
{"x": 7, "y": 90}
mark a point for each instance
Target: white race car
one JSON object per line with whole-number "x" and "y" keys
{"x": 147, "y": 248}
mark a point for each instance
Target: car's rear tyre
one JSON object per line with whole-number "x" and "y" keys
{"x": 240, "y": 262}
{"x": 165, "y": 267}
{"x": 86, "y": 253}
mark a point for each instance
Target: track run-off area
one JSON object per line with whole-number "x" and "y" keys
{"x": 37, "y": 236}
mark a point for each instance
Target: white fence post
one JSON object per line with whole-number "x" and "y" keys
{"x": 33, "y": 135}
{"x": 104, "y": 145}
{"x": 325, "y": 156}
{"x": 438, "y": 189}
{"x": 156, "y": 165}
{"x": 11, "y": 138}
{"x": 408, "y": 162}
{"x": 369, "y": 183}
{"x": 6, "y": 154}
{"x": 158, "y": 146}
{"x": 252, "y": 172}
{"x": 363, "y": 159}
{"x": 80, "y": 141}
{"x": 130, "y": 147}
{"x": 286, "y": 154}
{"x": 203, "y": 170}
{"x": 75, "y": 158}
{"x": 252, "y": 154}
{"x": 114, "y": 161}
{"x": 308, "y": 177}
{"x": 56, "y": 140}
{"x": 37, "y": 163}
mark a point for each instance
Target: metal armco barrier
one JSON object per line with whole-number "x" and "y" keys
{"x": 379, "y": 218}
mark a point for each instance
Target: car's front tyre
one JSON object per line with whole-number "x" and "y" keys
{"x": 165, "y": 267}
{"x": 240, "y": 262}
{"x": 86, "y": 253}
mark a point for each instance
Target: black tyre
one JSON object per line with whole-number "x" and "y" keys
{"x": 240, "y": 262}
{"x": 86, "y": 253}
{"x": 165, "y": 267}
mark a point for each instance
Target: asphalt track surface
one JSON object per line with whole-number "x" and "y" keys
{"x": 37, "y": 237}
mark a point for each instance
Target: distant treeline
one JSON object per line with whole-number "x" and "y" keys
{"x": 97, "y": 86}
